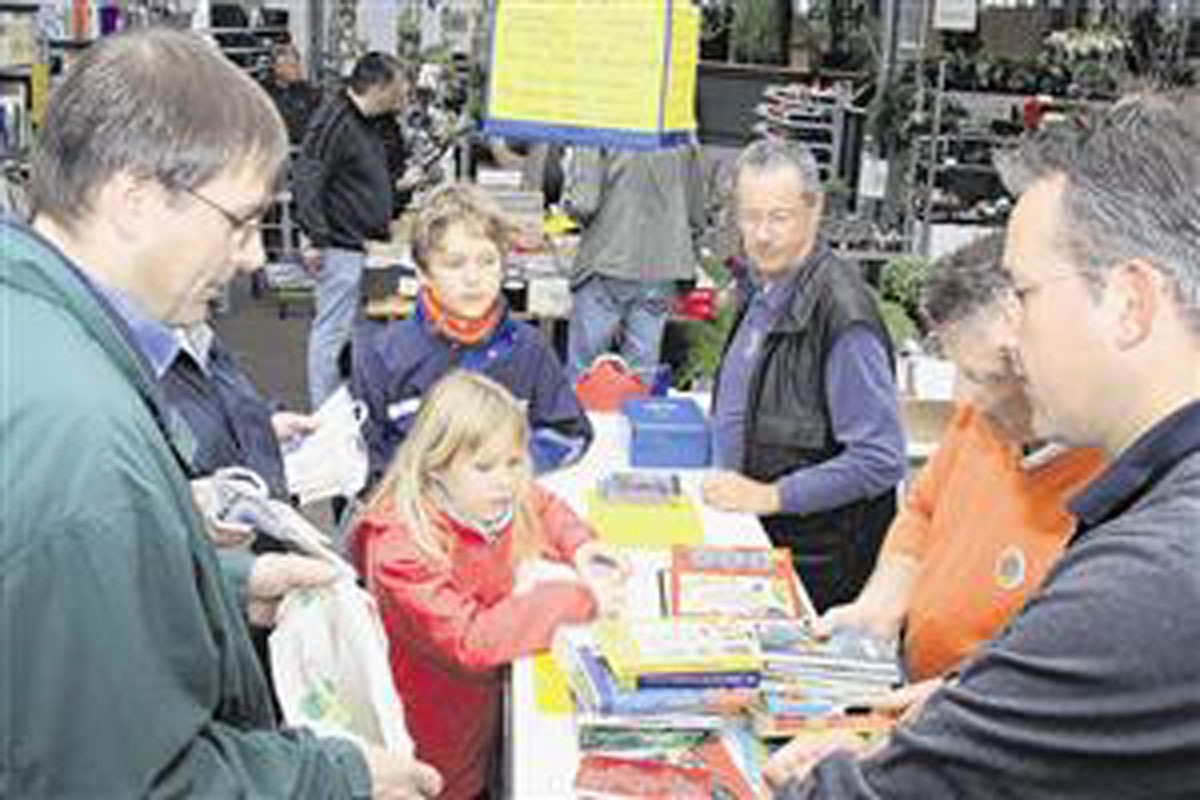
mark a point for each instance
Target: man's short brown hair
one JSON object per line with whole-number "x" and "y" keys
{"x": 157, "y": 104}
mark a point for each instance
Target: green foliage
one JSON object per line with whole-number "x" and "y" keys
{"x": 706, "y": 338}
{"x": 755, "y": 33}
{"x": 899, "y": 297}
{"x": 901, "y": 280}
{"x": 899, "y": 324}
{"x": 705, "y": 343}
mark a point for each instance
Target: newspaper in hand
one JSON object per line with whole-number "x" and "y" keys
{"x": 332, "y": 460}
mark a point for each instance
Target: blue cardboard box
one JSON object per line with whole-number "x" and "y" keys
{"x": 667, "y": 432}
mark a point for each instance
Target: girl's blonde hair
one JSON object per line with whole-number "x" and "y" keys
{"x": 463, "y": 412}
{"x": 453, "y": 204}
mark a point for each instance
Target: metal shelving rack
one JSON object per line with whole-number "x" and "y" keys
{"x": 932, "y": 157}
{"x": 817, "y": 117}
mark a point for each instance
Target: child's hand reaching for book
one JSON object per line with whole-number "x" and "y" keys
{"x": 608, "y": 593}
{"x": 604, "y": 570}
{"x": 596, "y": 559}
{"x": 533, "y": 571}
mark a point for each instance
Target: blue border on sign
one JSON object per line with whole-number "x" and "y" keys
{"x": 621, "y": 138}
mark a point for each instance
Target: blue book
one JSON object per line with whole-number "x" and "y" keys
{"x": 740, "y": 679}
{"x": 607, "y": 697}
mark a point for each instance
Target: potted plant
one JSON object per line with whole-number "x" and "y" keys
{"x": 755, "y": 34}
{"x": 899, "y": 297}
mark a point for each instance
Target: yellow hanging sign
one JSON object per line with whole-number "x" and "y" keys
{"x": 598, "y": 72}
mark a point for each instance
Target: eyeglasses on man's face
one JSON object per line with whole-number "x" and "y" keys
{"x": 773, "y": 219}
{"x": 243, "y": 227}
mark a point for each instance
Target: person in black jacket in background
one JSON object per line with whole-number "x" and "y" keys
{"x": 296, "y": 98}
{"x": 345, "y": 196}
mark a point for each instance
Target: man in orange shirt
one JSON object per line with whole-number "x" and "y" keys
{"x": 987, "y": 516}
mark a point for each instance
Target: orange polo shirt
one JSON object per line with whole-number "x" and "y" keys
{"x": 985, "y": 527}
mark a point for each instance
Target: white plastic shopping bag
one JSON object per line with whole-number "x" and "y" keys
{"x": 330, "y": 664}
{"x": 332, "y": 460}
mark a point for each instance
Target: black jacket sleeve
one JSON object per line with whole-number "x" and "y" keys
{"x": 318, "y": 156}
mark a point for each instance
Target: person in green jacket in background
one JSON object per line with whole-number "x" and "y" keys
{"x": 124, "y": 657}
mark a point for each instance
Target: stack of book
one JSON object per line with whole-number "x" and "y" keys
{"x": 806, "y": 679}
{"x": 684, "y": 703}
{"x": 596, "y": 688}
{"x": 680, "y": 652}
{"x": 684, "y": 757}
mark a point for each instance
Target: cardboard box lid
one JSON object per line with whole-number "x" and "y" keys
{"x": 664, "y": 412}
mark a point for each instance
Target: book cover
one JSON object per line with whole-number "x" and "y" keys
{"x": 757, "y": 582}
{"x": 635, "y": 647}
{"x": 649, "y": 488}
{"x": 603, "y": 777}
{"x": 868, "y": 727}
{"x": 649, "y": 525}
{"x": 628, "y": 734}
{"x": 603, "y": 694}
{"x": 729, "y": 781}
{"x": 845, "y": 652}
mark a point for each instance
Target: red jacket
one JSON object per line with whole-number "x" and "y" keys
{"x": 451, "y": 628}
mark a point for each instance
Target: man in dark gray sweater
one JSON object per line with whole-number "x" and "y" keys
{"x": 1093, "y": 690}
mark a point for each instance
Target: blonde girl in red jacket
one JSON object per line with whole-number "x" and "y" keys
{"x": 440, "y": 545}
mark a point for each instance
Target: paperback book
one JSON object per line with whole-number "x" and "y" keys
{"x": 638, "y": 647}
{"x": 642, "y": 487}
{"x": 754, "y": 582}
{"x": 716, "y": 756}
{"x": 605, "y": 777}
{"x": 869, "y": 727}
{"x": 847, "y": 655}
{"x": 595, "y": 689}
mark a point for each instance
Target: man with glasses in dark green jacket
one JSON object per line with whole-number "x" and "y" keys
{"x": 124, "y": 657}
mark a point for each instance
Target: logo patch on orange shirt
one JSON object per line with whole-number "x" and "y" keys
{"x": 1010, "y": 568}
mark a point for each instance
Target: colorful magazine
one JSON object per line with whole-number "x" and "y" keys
{"x": 867, "y": 727}
{"x": 757, "y": 582}
{"x": 596, "y": 689}
{"x": 642, "y": 487}
{"x": 604, "y": 777}
{"x": 636, "y": 647}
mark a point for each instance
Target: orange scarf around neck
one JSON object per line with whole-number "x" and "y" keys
{"x": 453, "y": 327}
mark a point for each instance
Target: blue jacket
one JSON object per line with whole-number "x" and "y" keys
{"x": 396, "y": 362}
{"x": 230, "y": 421}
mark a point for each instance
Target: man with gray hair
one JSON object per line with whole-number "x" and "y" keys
{"x": 1094, "y": 689}
{"x": 124, "y": 655}
{"x": 806, "y": 426}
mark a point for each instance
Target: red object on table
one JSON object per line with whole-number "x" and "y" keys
{"x": 698, "y": 304}
{"x": 607, "y": 383}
